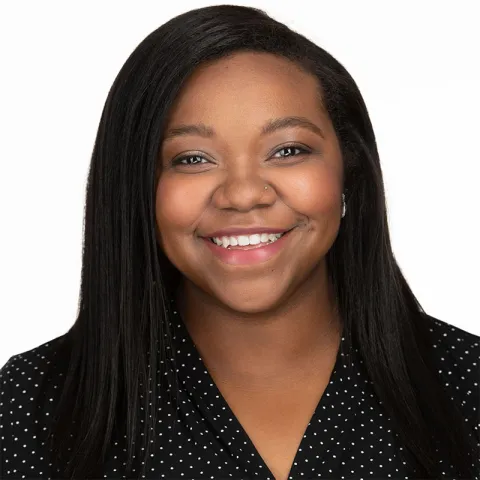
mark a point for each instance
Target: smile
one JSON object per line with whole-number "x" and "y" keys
{"x": 247, "y": 249}
{"x": 256, "y": 240}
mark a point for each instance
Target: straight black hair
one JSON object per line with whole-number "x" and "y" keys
{"x": 112, "y": 369}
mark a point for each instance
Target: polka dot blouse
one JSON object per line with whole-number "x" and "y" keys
{"x": 349, "y": 435}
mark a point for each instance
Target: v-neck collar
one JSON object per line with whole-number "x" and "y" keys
{"x": 194, "y": 375}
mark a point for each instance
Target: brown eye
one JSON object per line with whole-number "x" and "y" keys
{"x": 291, "y": 151}
{"x": 188, "y": 160}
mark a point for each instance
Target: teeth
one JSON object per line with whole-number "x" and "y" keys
{"x": 244, "y": 240}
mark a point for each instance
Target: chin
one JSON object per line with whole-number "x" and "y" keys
{"x": 252, "y": 299}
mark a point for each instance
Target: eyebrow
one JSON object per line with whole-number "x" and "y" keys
{"x": 271, "y": 126}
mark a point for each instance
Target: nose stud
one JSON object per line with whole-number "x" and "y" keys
{"x": 266, "y": 186}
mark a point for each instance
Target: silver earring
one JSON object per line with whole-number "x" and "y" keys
{"x": 344, "y": 206}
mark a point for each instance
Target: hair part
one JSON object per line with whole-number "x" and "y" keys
{"x": 112, "y": 368}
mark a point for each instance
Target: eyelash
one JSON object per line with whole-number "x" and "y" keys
{"x": 303, "y": 150}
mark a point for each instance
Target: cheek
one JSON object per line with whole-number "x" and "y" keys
{"x": 176, "y": 212}
{"x": 177, "y": 206}
{"x": 316, "y": 192}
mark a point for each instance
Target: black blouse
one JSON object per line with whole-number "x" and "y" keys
{"x": 349, "y": 435}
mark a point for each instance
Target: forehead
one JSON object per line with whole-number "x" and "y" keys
{"x": 247, "y": 86}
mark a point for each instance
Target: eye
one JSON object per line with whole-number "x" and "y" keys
{"x": 188, "y": 160}
{"x": 291, "y": 151}
{"x": 195, "y": 159}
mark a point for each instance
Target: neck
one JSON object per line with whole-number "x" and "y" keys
{"x": 268, "y": 346}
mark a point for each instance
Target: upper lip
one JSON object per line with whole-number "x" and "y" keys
{"x": 227, "y": 232}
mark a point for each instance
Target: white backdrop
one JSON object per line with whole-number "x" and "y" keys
{"x": 417, "y": 66}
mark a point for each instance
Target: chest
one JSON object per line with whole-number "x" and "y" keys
{"x": 276, "y": 422}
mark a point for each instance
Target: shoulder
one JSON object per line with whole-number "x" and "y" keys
{"x": 455, "y": 345}
{"x": 31, "y": 363}
{"x": 456, "y": 356}
{"x": 27, "y": 376}
{"x": 29, "y": 386}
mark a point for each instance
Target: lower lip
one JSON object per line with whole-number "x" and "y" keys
{"x": 252, "y": 256}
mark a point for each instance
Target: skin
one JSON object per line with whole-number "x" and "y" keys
{"x": 258, "y": 327}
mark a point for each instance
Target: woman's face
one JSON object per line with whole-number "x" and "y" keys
{"x": 230, "y": 133}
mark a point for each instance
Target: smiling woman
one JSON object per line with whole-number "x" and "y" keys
{"x": 242, "y": 313}
{"x": 286, "y": 142}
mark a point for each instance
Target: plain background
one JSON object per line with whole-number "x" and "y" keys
{"x": 416, "y": 64}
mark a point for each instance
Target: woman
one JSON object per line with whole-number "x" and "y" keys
{"x": 242, "y": 314}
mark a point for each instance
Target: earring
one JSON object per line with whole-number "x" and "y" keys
{"x": 344, "y": 206}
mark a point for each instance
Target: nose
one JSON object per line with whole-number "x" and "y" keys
{"x": 243, "y": 192}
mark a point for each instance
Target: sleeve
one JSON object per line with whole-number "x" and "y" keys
{"x": 5, "y": 417}
{"x": 457, "y": 353}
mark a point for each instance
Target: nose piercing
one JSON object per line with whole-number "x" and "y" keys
{"x": 266, "y": 186}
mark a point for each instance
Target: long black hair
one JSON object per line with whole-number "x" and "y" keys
{"x": 112, "y": 367}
